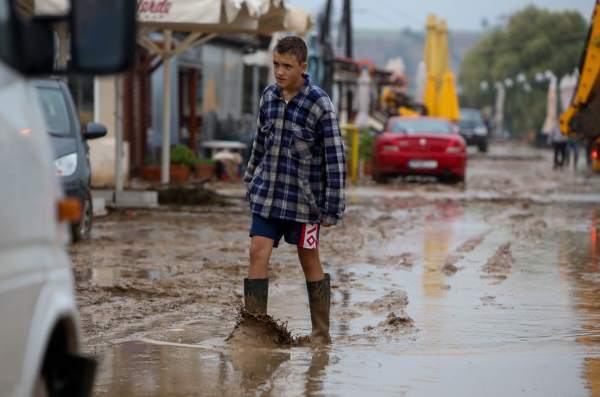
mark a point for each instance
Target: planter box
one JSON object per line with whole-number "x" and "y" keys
{"x": 204, "y": 171}
{"x": 180, "y": 173}
{"x": 151, "y": 173}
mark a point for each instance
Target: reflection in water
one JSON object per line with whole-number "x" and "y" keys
{"x": 316, "y": 372}
{"x": 343, "y": 324}
{"x": 142, "y": 369}
{"x": 437, "y": 238}
{"x": 578, "y": 258}
{"x": 256, "y": 368}
{"x": 592, "y": 375}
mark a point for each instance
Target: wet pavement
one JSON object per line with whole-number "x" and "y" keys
{"x": 431, "y": 295}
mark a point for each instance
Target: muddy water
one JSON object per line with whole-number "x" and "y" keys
{"x": 437, "y": 298}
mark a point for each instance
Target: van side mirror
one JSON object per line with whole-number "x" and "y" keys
{"x": 94, "y": 131}
{"x": 25, "y": 45}
{"x": 102, "y": 35}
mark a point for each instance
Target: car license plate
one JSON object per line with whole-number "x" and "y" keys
{"x": 422, "y": 164}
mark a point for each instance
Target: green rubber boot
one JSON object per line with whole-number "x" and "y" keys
{"x": 319, "y": 300}
{"x": 256, "y": 293}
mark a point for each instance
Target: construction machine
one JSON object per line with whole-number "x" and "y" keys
{"x": 582, "y": 117}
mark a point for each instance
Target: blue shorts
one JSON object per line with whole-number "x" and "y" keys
{"x": 302, "y": 235}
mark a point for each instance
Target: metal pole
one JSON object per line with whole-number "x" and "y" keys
{"x": 119, "y": 180}
{"x": 348, "y": 28}
{"x": 166, "y": 138}
{"x": 255, "y": 93}
{"x": 355, "y": 153}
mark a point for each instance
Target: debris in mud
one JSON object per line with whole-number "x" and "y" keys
{"x": 393, "y": 301}
{"x": 405, "y": 259}
{"x": 519, "y": 216}
{"x": 472, "y": 243}
{"x": 488, "y": 300}
{"x": 259, "y": 331}
{"x": 393, "y": 324}
{"x": 397, "y": 321}
{"x": 498, "y": 267}
{"x": 449, "y": 269}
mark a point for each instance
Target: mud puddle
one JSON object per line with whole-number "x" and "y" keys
{"x": 413, "y": 310}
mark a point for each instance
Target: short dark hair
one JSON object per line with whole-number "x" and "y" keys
{"x": 293, "y": 45}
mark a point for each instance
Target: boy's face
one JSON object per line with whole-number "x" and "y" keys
{"x": 288, "y": 71}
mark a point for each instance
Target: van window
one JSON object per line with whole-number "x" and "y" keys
{"x": 55, "y": 111}
{"x": 5, "y": 33}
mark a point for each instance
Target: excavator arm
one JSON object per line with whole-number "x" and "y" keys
{"x": 582, "y": 118}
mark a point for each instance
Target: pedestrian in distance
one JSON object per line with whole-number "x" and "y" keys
{"x": 559, "y": 144}
{"x": 295, "y": 181}
{"x": 573, "y": 151}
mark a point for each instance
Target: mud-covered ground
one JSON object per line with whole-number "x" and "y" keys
{"x": 491, "y": 287}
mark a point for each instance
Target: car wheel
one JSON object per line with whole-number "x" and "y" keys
{"x": 380, "y": 178}
{"x": 483, "y": 147}
{"x": 456, "y": 179}
{"x": 82, "y": 229}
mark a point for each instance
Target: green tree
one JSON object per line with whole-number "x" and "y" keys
{"x": 533, "y": 41}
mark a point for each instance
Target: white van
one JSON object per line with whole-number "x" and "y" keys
{"x": 39, "y": 334}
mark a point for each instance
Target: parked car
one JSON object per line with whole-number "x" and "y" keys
{"x": 40, "y": 348}
{"x": 70, "y": 147}
{"x": 419, "y": 146}
{"x": 473, "y": 129}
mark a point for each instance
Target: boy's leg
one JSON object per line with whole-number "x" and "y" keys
{"x": 260, "y": 253}
{"x": 318, "y": 288}
{"x": 311, "y": 264}
{"x": 264, "y": 234}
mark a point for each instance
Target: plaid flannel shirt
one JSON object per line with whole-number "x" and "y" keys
{"x": 297, "y": 170}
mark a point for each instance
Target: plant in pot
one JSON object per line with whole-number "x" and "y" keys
{"x": 204, "y": 169}
{"x": 182, "y": 158}
{"x": 151, "y": 169}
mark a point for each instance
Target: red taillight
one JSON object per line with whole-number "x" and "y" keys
{"x": 594, "y": 154}
{"x": 455, "y": 147}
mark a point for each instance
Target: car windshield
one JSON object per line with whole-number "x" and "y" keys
{"x": 470, "y": 118}
{"x": 55, "y": 111}
{"x": 415, "y": 126}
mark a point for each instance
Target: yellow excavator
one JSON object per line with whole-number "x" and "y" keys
{"x": 582, "y": 118}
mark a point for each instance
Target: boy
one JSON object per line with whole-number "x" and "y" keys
{"x": 295, "y": 178}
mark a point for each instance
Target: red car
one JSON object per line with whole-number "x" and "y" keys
{"x": 419, "y": 146}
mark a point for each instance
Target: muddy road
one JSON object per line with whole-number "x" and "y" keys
{"x": 489, "y": 288}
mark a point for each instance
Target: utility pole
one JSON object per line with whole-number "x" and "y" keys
{"x": 348, "y": 52}
{"x": 327, "y": 49}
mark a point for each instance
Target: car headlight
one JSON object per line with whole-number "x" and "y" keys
{"x": 66, "y": 165}
{"x": 480, "y": 131}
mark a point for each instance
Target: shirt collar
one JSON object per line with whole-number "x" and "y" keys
{"x": 304, "y": 90}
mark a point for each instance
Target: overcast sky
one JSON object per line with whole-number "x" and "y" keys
{"x": 460, "y": 14}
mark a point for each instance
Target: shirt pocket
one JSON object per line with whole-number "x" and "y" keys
{"x": 303, "y": 142}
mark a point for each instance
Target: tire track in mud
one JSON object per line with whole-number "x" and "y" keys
{"x": 450, "y": 268}
{"x": 472, "y": 243}
{"x": 499, "y": 266}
